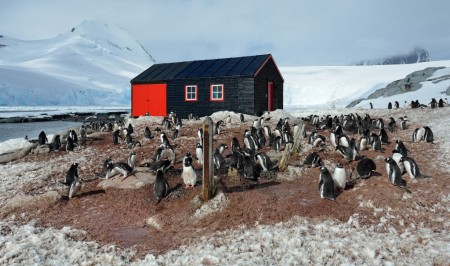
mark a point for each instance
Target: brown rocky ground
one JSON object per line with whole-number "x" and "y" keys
{"x": 119, "y": 216}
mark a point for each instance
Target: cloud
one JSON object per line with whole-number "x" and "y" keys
{"x": 296, "y": 32}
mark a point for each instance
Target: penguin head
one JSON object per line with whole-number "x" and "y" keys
{"x": 323, "y": 169}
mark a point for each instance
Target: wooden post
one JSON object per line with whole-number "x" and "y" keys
{"x": 208, "y": 187}
{"x": 291, "y": 148}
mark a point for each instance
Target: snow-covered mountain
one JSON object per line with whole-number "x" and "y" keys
{"x": 90, "y": 64}
{"x": 417, "y": 55}
{"x": 338, "y": 86}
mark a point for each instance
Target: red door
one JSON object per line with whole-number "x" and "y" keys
{"x": 148, "y": 99}
{"x": 270, "y": 96}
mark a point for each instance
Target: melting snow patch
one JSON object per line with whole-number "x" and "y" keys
{"x": 218, "y": 203}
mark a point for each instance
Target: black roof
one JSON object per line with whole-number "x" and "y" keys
{"x": 223, "y": 67}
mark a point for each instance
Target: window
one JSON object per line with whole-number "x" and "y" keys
{"x": 190, "y": 93}
{"x": 217, "y": 92}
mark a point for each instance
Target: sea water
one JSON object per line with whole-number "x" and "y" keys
{"x": 32, "y": 129}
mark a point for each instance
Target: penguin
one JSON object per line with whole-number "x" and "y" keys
{"x": 400, "y": 148}
{"x": 160, "y": 187}
{"x": 235, "y": 144}
{"x": 333, "y": 138}
{"x": 200, "y": 134}
{"x": 175, "y": 133}
{"x": 326, "y": 184}
{"x": 228, "y": 120}
{"x": 276, "y": 145}
{"x": 428, "y": 135}
{"x": 318, "y": 140}
{"x": 397, "y": 158}
{"x": 250, "y": 171}
{"x": 159, "y": 153}
{"x": 236, "y": 159}
{"x": 83, "y": 133}
{"x": 384, "y": 138}
{"x": 42, "y": 138}
{"x": 75, "y": 187}
{"x": 130, "y": 129}
{"x": 132, "y": 143}
{"x": 264, "y": 161}
{"x": 376, "y": 142}
{"x": 312, "y": 160}
{"x": 132, "y": 159}
{"x": 260, "y": 137}
{"x": 241, "y": 117}
{"x": 343, "y": 140}
{"x": 339, "y": 177}
{"x": 189, "y": 176}
{"x": 257, "y": 123}
{"x": 71, "y": 175}
{"x": 371, "y": 105}
{"x": 218, "y": 127}
{"x": 120, "y": 167}
{"x": 69, "y": 144}
{"x": 164, "y": 165}
{"x": 393, "y": 172}
{"x": 412, "y": 168}
{"x": 222, "y": 147}
{"x": 73, "y": 135}
{"x": 389, "y": 105}
{"x": 392, "y": 124}
{"x": 148, "y": 133}
{"x": 396, "y": 105}
{"x": 363, "y": 143}
{"x": 164, "y": 139}
{"x": 218, "y": 160}
{"x": 116, "y": 136}
{"x": 267, "y": 131}
{"x": 56, "y": 143}
{"x": 418, "y": 134}
{"x": 380, "y": 123}
{"x": 365, "y": 168}
{"x": 199, "y": 153}
{"x": 403, "y": 125}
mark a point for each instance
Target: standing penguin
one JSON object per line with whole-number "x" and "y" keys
{"x": 265, "y": 162}
{"x": 365, "y": 168}
{"x": 71, "y": 175}
{"x": 147, "y": 133}
{"x": 412, "y": 168}
{"x": 83, "y": 133}
{"x": 393, "y": 172}
{"x": 389, "y": 105}
{"x": 384, "y": 138}
{"x": 56, "y": 143}
{"x": 42, "y": 139}
{"x": 428, "y": 136}
{"x": 218, "y": 160}
{"x": 73, "y": 135}
{"x": 250, "y": 171}
{"x": 326, "y": 184}
{"x": 75, "y": 187}
{"x": 339, "y": 177}
{"x": 160, "y": 187}
{"x": 228, "y": 120}
{"x": 69, "y": 144}
{"x": 371, "y": 105}
{"x": 189, "y": 176}
{"x": 397, "y": 158}
{"x": 116, "y": 136}
{"x": 312, "y": 160}
{"x": 401, "y": 148}
{"x": 403, "y": 125}
{"x": 199, "y": 153}
{"x": 418, "y": 134}
{"x": 241, "y": 117}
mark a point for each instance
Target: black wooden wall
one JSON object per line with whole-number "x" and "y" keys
{"x": 269, "y": 73}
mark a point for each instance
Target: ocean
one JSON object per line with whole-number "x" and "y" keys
{"x": 32, "y": 129}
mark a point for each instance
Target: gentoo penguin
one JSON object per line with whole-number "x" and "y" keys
{"x": 200, "y": 134}
{"x": 371, "y": 105}
{"x": 199, "y": 153}
{"x": 218, "y": 127}
{"x": 339, "y": 177}
{"x": 164, "y": 139}
{"x": 222, "y": 147}
{"x": 418, "y": 134}
{"x": 75, "y": 187}
{"x": 397, "y": 158}
{"x": 69, "y": 144}
{"x": 132, "y": 159}
{"x": 412, "y": 168}
{"x": 189, "y": 176}
{"x": 261, "y": 138}
{"x": 83, "y": 133}
{"x": 428, "y": 136}
{"x": 343, "y": 140}
{"x": 250, "y": 169}
{"x": 147, "y": 133}
{"x": 318, "y": 140}
{"x": 73, "y": 135}
{"x": 257, "y": 123}
{"x": 71, "y": 175}
{"x": 276, "y": 145}
{"x": 116, "y": 136}
{"x": 403, "y": 125}
{"x": 396, "y": 105}
{"x": 400, "y": 148}
{"x": 265, "y": 162}
{"x": 363, "y": 143}
{"x": 218, "y": 160}
{"x": 160, "y": 187}
{"x": 326, "y": 184}
{"x": 375, "y": 142}
{"x": 389, "y": 105}
{"x": 159, "y": 153}
{"x": 312, "y": 160}
{"x": 241, "y": 117}
{"x": 267, "y": 131}
{"x": 236, "y": 159}
{"x": 42, "y": 139}
{"x": 235, "y": 144}
{"x": 56, "y": 143}
{"x": 164, "y": 165}
{"x": 175, "y": 133}
{"x": 392, "y": 124}
{"x": 380, "y": 123}
{"x": 384, "y": 138}
{"x": 365, "y": 168}
{"x": 228, "y": 119}
{"x": 130, "y": 129}
{"x": 393, "y": 172}
{"x": 120, "y": 167}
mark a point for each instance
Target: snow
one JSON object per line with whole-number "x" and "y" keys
{"x": 297, "y": 241}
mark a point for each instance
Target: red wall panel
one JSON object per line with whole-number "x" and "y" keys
{"x": 148, "y": 98}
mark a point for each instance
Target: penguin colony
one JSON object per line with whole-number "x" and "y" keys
{"x": 346, "y": 135}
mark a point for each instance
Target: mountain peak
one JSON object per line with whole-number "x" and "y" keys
{"x": 417, "y": 55}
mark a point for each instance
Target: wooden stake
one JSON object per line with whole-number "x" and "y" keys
{"x": 208, "y": 187}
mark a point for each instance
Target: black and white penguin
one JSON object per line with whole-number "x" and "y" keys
{"x": 120, "y": 167}
{"x": 397, "y": 158}
{"x": 257, "y": 123}
{"x": 189, "y": 176}
{"x": 71, "y": 175}
{"x": 276, "y": 145}
{"x": 403, "y": 125}
{"x": 116, "y": 136}
{"x": 396, "y": 105}
{"x": 148, "y": 133}
{"x": 318, "y": 140}
{"x": 371, "y": 105}
{"x": 83, "y": 133}
{"x": 261, "y": 138}
{"x": 73, "y": 135}
{"x": 159, "y": 153}
{"x": 69, "y": 144}
{"x": 418, "y": 134}
{"x": 218, "y": 127}
{"x": 401, "y": 148}
{"x": 343, "y": 140}
{"x": 379, "y": 123}
{"x": 363, "y": 143}
{"x": 312, "y": 160}
{"x": 218, "y": 160}
{"x": 75, "y": 187}
{"x": 389, "y": 105}
{"x": 200, "y": 134}
{"x": 375, "y": 142}
{"x": 384, "y": 138}
{"x": 428, "y": 136}
{"x": 222, "y": 147}
{"x": 339, "y": 177}
{"x": 264, "y": 161}
{"x": 42, "y": 138}
{"x": 267, "y": 131}
{"x": 164, "y": 165}
{"x": 160, "y": 187}
{"x": 412, "y": 168}
{"x": 391, "y": 125}
{"x": 236, "y": 159}
{"x": 132, "y": 159}
{"x": 250, "y": 171}
{"x": 393, "y": 172}
{"x": 235, "y": 144}
{"x": 175, "y": 133}
{"x": 228, "y": 120}
{"x": 365, "y": 168}
{"x": 199, "y": 153}
{"x": 130, "y": 129}
{"x": 164, "y": 139}
{"x": 56, "y": 143}
{"x": 241, "y": 117}
{"x": 326, "y": 184}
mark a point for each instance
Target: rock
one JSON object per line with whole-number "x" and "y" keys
{"x": 16, "y": 154}
{"x": 448, "y": 91}
{"x": 134, "y": 181}
{"x": 155, "y": 221}
{"x": 41, "y": 149}
{"x": 30, "y": 202}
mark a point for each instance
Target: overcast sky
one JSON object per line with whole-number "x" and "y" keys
{"x": 295, "y": 32}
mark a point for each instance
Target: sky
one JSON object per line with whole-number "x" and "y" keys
{"x": 295, "y": 32}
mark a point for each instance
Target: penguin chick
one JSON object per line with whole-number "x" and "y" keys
{"x": 189, "y": 176}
